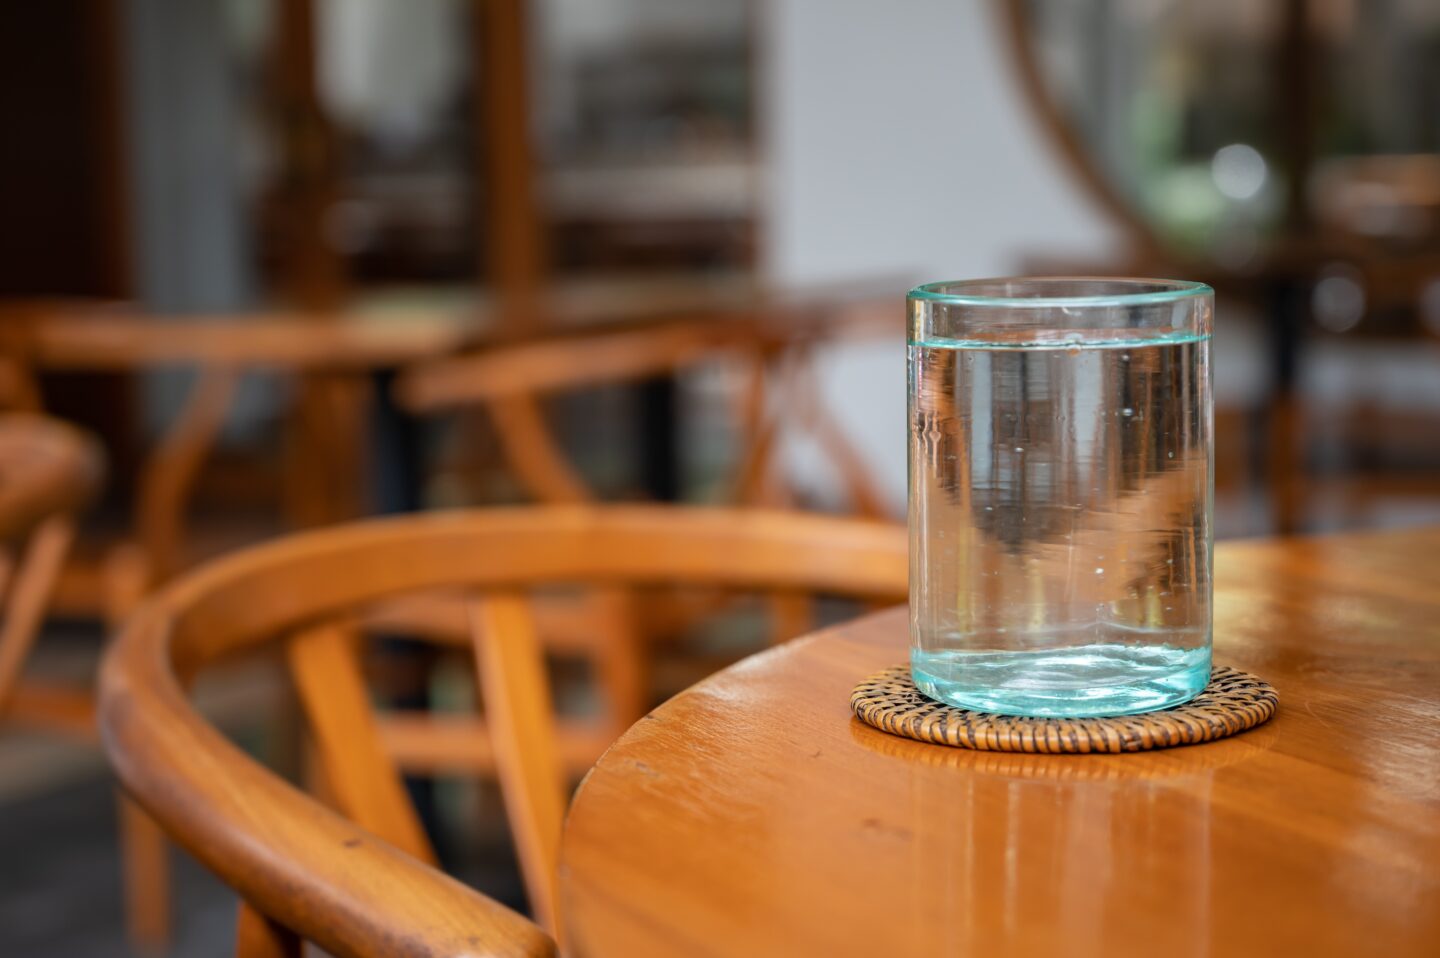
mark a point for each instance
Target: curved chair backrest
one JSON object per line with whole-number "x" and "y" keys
{"x": 313, "y": 873}
{"x": 510, "y": 381}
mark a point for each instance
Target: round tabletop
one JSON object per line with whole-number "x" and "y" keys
{"x": 752, "y": 815}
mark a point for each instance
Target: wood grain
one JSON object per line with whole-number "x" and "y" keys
{"x": 753, "y": 815}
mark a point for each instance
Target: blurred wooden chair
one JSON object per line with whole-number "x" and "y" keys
{"x": 510, "y": 385}
{"x": 367, "y": 888}
{"x": 49, "y": 471}
{"x": 512, "y": 382}
{"x": 329, "y": 356}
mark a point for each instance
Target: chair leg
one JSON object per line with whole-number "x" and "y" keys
{"x": 621, "y": 660}
{"x": 792, "y": 614}
{"x": 352, "y": 762}
{"x": 258, "y": 937}
{"x": 29, "y": 595}
{"x": 145, "y": 861}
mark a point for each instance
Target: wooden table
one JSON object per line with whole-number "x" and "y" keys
{"x": 268, "y": 341}
{"x": 752, "y": 815}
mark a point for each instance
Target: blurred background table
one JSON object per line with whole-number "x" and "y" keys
{"x": 331, "y": 357}
{"x": 341, "y": 361}
{"x": 753, "y": 815}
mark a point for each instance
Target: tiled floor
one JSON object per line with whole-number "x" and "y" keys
{"x": 60, "y": 882}
{"x": 60, "y": 892}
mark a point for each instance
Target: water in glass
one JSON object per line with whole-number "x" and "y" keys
{"x": 1060, "y": 521}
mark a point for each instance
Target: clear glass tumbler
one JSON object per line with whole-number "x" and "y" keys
{"x": 1060, "y": 493}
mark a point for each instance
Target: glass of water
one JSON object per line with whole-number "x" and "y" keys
{"x": 1060, "y": 494}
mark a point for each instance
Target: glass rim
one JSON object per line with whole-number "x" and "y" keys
{"x": 1174, "y": 290}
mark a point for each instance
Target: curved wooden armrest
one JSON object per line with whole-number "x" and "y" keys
{"x": 296, "y": 861}
{"x": 307, "y": 869}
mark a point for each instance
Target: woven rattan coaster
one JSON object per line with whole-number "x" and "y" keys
{"x": 1233, "y": 702}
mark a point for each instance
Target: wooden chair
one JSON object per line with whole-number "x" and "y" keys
{"x": 364, "y": 887}
{"x": 48, "y": 474}
{"x": 328, "y": 354}
{"x": 49, "y": 471}
{"x": 510, "y": 384}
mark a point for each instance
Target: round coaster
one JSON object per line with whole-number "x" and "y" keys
{"x": 1233, "y": 702}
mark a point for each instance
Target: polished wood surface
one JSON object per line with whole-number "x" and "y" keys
{"x": 345, "y": 883}
{"x": 752, "y": 815}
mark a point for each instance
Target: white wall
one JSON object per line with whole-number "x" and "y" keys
{"x": 898, "y": 145}
{"x": 190, "y": 237}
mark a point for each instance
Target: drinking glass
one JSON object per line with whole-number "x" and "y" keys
{"x": 1060, "y": 493}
